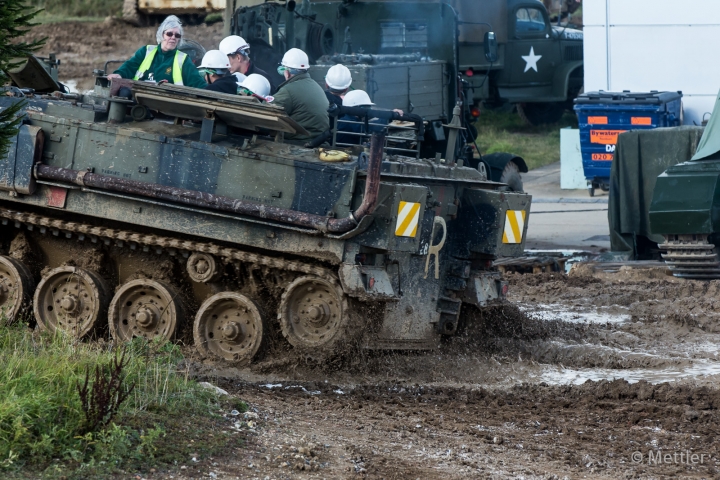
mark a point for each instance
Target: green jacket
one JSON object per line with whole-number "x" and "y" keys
{"x": 161, "y": 68}
{"x": 305, "y": 102}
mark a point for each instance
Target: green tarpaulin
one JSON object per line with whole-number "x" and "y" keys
{"x": 710, "y": 142}
{"x": 640, "y": 156}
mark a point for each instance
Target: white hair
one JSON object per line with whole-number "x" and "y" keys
{"x": 170, "y": 22}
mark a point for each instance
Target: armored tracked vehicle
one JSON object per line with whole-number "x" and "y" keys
{"x": 180, "y": 210}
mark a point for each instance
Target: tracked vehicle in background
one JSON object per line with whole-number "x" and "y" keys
{"x": 685, "y": 208}
{"x": 180, "y": 210}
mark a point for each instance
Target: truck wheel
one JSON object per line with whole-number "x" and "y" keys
{"x": 230, "y": 327}
{"x": 511, "y": 176}
{"x": 541, "y": 113}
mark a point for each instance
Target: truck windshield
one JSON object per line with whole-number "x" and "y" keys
{"x": 528, "y": 19}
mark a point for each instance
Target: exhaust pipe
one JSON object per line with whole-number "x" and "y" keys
{"x": 227, "y": 204}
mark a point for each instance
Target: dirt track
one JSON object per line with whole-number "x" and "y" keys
{"x": 510, "y": 398}
{"x": 506, "y": 399}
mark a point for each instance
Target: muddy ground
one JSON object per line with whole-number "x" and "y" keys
{"x": 591, "y": 375}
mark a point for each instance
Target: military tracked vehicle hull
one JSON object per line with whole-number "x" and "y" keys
{"x": 686, "y": 210}
{"x": 202, "y": 222}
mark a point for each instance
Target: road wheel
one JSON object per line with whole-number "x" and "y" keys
{"x": 313, "y": 314}
{"x": 70, "y": 299}
{"x": 229, "y": 326}
{"x": 511, "y": 176}
{"x": 16, "y": 287}
{"x": 541, "y": 113}
{"x": 145, "y": 308}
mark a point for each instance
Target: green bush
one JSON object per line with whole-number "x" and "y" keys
{"x": 41, "y": 416}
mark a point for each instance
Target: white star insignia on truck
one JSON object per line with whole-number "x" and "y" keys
{"x": 531, "y": 60}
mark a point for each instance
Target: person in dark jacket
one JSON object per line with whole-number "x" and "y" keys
{"x": 354, "y": 124}
{"x": 215, "y": 69}
{"x": 337, "y": 80}
{"x": 238, "y": 52}
{"x": 162, "y": 62}
{"x": 302, "y": 98}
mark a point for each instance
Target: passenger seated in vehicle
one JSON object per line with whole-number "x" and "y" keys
{"x": 256, "y": 86}
{"x": 301, "y": 97}
{"x": 215, "y": 69}
{"x": 163, "y": 62}
{"x": 238, "y": 52}
{"x": 337, "y": 80}
{"x": 357, "y": 98}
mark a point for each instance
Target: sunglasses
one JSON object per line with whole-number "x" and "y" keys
{"x": 173, "y": 34}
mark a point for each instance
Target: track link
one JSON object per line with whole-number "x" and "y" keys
{"x": 148, "y": 242}
{"x": 691, "y": 256}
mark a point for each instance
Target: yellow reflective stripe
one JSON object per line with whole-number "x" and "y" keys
{"x": 177, "y": 67}
{"x": 514, "y": 226}
{"x": 407, "y": 221}
{"x": 147, "y": 61}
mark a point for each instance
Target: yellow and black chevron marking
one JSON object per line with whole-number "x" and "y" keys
{"x": 407, "y": 221}
{"x": 514, "y": 226}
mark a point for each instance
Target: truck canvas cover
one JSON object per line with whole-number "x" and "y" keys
{"x": 641, "y": 156}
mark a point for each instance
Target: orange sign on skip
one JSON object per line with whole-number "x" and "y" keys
{"x": 605, "y": 137}
{"x": 597, "y": 120}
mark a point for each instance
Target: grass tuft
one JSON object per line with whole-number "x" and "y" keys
{"x": 506, "y": 132}
{"x": 42, "y": 419}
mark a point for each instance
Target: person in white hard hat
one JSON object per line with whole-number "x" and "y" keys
{"x": 215, "y": 69}
{"x": 162, "y": 62}
{"x": 300, "y": 96}
{"x": 356, "y": 124}
{"x": 256, "y": 86}
{"x": 337, "y": 82}
{"x": 238, "y": 52}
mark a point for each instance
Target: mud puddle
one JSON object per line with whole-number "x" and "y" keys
{"x": 704, "y": 372}
{"x": 565, "y": 313}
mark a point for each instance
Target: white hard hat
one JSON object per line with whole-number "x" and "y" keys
{"x": 216, "y": 60}
{"x": 295, "y": 58}
{"x": 240, "y": 77}
{"x": 233, "y": 44}
{"x": 356, "y": 98}
{"x": 338, "y": 77}
{"x": 257, "y": 84}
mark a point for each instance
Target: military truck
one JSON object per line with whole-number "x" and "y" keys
{"x": 422, "y": 45}
{"x": 425, "y": 56}
{"x": 179, "y": 212}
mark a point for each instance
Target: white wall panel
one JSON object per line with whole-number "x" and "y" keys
{"x": 665, "y": 58}
{"x": 661, "y": 12}
{"x": 595, "y": 54}
{"x": 654, "y": 45}
{"x": 593, "y": 12}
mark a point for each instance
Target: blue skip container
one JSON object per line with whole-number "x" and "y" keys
{"x": 602, "y": 116}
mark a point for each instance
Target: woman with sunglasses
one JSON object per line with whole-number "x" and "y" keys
{"x": 162, "y": 62}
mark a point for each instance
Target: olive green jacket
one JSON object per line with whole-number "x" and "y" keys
{"x": 305, "y": 102}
